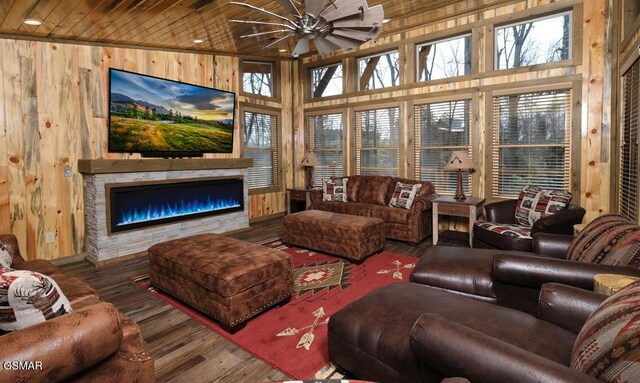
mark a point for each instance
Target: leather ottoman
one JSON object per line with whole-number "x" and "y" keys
{"x": 350, "y": 236}
{"x": 228, "y": 279}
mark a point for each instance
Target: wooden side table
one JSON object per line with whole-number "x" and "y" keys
{"x": 447, "y": 205}
{"x": 298, "y": 200}
{"x": 608, "y": 284}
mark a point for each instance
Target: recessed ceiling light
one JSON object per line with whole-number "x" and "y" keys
{"x": 198, "y": 41}
{"x": 384, "y": 21}
{"x": 282, "y": 50}
{"x": 33, "y": 22}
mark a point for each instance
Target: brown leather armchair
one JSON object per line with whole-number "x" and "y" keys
{"x": 407, "y": 332}
{"x": 509, "y": 235}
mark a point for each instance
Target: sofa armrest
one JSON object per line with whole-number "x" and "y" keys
{"x": 315, "y": 195}
{"x": 422, "y": 203}
{"x": 501, "y": 212}
{"x": 559, "y": 223}
{"x": 457, "y": 350}
{"x": 532, "y": 271}
{"x": 64, "y": 345}
{"x": 552, "y": 245}
{"x": 11, "y": 242}
{"x": 567, "y": 306}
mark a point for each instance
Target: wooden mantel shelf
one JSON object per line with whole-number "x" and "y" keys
{"x": 102, "y": 166}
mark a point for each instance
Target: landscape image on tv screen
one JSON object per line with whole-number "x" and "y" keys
{"x": 149, "y": 114}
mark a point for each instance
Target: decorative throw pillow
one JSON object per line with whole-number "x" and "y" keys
{"x": 607, "y": 345}
{"x": 28, "y": 298}
{"x": 334, "y": 190}
{"x": 535, "y": 203}
{"x": 610, "y": 239}
{"x": 5, "y": 257}
{"x": 404, "y": 194}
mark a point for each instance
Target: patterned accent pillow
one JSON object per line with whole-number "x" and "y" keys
{"x": 607, "y": 345}
{"x": 404, "y": 194}
{"x": 5, "y": 257}
{"x": 513, "y": 231}
{"x": 610, "y": 239}
{"x": 334, "y": 189}
{"x": 535, "y": 203}
{"x": 28, "y": 298}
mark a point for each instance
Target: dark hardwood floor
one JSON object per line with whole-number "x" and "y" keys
{"x": 183, "y": 349}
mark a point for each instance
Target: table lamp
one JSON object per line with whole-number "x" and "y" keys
{"x": 459, "y": 161}
{"x": 309, "y": 161}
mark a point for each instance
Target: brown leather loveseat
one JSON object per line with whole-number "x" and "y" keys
{"x": 92, "y": 343}
{"x": 369, "y": 196}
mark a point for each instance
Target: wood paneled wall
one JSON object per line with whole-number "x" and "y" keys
{"x": 589, "y": 73}
{"x": 54, "y": 101}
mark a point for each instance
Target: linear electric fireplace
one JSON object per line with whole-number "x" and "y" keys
{"x": 142, "y": 204}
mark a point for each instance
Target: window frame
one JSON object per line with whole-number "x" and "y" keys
{"x": 417, "y": 46}
{"x": 274, "y": 112}
{"x": 275, "y": 79}
{"x": 628, "y": 177}
{"x": 307, "y": 135}
{"x": 310, "y": 80}
{"x": 572, "y": 52}
{"x": 377, "y": 54}
{"x": 574, "y": 130}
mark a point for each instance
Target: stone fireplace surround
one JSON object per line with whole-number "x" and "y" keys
{"x": 102, "y": 246}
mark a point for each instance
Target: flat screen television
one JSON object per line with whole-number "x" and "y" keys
{"x": 165, "y": 118}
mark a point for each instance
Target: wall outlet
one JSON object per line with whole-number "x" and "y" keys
{"x": 67, "y": 171}
{"x": 49, "y": 237}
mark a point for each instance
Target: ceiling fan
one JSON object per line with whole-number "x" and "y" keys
{"x": 331, "y": 24}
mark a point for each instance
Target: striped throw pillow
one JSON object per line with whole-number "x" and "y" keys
{"x": 608, "y": 345}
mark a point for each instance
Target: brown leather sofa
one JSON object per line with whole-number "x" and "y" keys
{"x": 408, "y": 332}
{"x": 369, "y": 196}
{"x": 503, "y": 212}
{"x": 93, "y": 343}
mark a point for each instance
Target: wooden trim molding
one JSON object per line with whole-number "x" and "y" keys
{"x": 102, "y": 166}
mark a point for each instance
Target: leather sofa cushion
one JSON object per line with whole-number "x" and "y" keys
{"x": 219, "y": 263}
{"x": 390, "y": 214}
{"x": 353, "y": 185}
{"x": 329, "y": 225}
{"x": 501, "y": 241}
{"x": 352, "y": 208}
{"x": 375, "y": 190}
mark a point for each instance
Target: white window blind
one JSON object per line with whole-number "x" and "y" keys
{"x": 441, "y": 128}
{"x": 377, "y": 142}
{"x": 531, "y": 142}
{"x": 261, "y": 144}
{"x": 628, "y": 191}
{"x": 325, "y": 139}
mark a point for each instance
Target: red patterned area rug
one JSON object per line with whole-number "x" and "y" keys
{"x": 293, "y": 337}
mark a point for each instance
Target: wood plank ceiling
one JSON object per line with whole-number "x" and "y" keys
{"x": 174, "y": 24}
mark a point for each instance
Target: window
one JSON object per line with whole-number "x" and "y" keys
{"x": 257, "y": 78}
{"x": 261, "y": 144}
{"x": 377, "y": 142}
{"x": 325, "y": 139}
{"x": 441, "y": 128}
{"x": 531, "y": 141}
{"x": 379, "y": 71}
{"x": 628, "y": 188}
{"x": 542, "y": 40}
{"x": 326, "y": 81}
{"x": 444, "y": 58}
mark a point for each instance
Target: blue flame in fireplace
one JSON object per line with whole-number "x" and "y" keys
{"x": 153, "y": 213}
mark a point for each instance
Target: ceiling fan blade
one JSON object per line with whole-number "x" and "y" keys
{"x": 263, "y": 23}
{"x": 262, "y": 10}
{"x": 375, "y": 15}
{"x": 263, "y": 33}
{"x": 278, "y": 41}
{"x": 302, "y": 47}
{"x": 289, "y": 7}
{"x": 345, "y": 8}
{"x": 354, "y": 34}
{"x": 343, "y": 42}
{"x": 324, "y": 46}
{"x": 314, "y": 7}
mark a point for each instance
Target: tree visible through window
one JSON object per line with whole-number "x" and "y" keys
{"x": 325, "y": 139}
{"x": 444, "y": 58}
{"x": 326, "y": 81}
{"x": 377, "y": 142}
{"x": 380, "y": 71}
{"x": 531, "y": 141}
{"x": 257, "y": 78}
{"x": 537, "y": 41}
{"x": 441, "y": 128}
{"x": 261, "y": 144}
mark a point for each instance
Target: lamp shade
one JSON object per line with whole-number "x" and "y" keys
{"x": 309, "y": 159}
{"x": 459, "y": 160}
